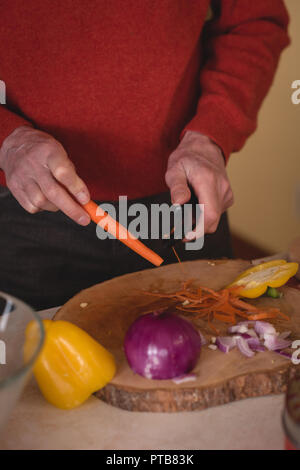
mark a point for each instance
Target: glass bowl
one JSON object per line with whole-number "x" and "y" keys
{"x": 14, "y": 371}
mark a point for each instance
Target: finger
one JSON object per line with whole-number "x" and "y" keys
{"x": 198, "y": 231}
{"x": 48, "y": 206}
{"x": 64, "y": 172}
{"x": 37, "y": 198}
{"x": 177, "y": 182}
{"x": 228, "y": 199}
{"x": 23, "y": 200}
{"x": 58, "y": 196}
{"x": 207, "y": 194}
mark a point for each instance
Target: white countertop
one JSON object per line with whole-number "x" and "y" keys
{"x": 254, "y": 423}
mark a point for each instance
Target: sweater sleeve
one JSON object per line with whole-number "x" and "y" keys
{"x": 9, "y": 121}
{"x": 242, "y": 46}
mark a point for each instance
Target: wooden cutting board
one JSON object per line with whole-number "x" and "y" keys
{"x": 113, "y": 305}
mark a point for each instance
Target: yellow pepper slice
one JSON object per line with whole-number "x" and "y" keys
{"x": 255, "y": 281}
{"x": 71, "y": 366}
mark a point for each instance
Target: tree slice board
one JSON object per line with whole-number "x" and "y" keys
{"x": 107, "y": 310}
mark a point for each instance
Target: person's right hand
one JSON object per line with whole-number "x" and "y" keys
{"x": 40, "y": 175}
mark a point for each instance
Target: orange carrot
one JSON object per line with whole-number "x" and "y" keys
{"x": 262, "y": 316}
{"x": 224, "y": 318}
{"x": 244, "y": 305}
{"x": 227, "y": 310}
{"x": 212, "y": 327}
{"x": 102, "y": 218}
{"x": 179, "y": 261}
{"x": 283, "y": 315}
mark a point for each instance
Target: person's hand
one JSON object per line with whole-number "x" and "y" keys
{"x": 40, "y": 175}
{"x": 198, "y": 162}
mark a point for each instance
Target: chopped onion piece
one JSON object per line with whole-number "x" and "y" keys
{"x": 238, "y": 329}
{"x": 245, "y": 335}
{"x": 286, "y": 354}
{"x": 249, "y": 340}
{"x": 263, "y": 327}
{"x": 202, "y": 338}
{"x": 275, "y": 343}
{"x": 184, "y": 378}
{"x": 255, "y": 344}
{"x": 243, "y": 347}
{"x": 252, "y": 333}
{"x": 247, "y": 322}
{"x": 226, "y": 343}
{"x": 284, "y": 334}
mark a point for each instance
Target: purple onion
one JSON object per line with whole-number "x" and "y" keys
{"x": 162, "y": 346}
{"x": 246, "y": 322}
{"x": 284, "y": 334}
{"x": 275, "y": 343}
{"x": 263, "y": 327}
{"x": 248, "y": 341}
{"x": 286, "y": 354}
{"x": 252, "y": 334}
{"x": 225, "y": 343}
{"x": 240, "y": 329}
{"x": 245, "y": 335}
{"x": 243, "y": 346}
{"x": 255, "y": 344}
{"x": 203, "y": 340}
{"x": 184, "y": 378}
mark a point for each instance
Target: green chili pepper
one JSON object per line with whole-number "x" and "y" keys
{"x": 272, "y": 292}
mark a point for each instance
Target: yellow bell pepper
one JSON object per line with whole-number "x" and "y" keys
{"x": 71, "y": 366}
{"x": 255, "y": 281}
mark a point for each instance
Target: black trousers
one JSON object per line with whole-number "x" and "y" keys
{"x": 46, "y": 258}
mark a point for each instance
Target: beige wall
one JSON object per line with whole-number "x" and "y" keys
{"x": 265, "y": 175}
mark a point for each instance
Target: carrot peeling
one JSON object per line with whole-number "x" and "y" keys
{"x": 222, "y": 305}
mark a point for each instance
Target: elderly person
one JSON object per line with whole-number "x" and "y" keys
{"x": 109, "y": 98}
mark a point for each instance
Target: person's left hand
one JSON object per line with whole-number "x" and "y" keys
{"x": 199, "y": 162}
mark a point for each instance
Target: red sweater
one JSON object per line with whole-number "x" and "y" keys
{"x": 118, "y": 81}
